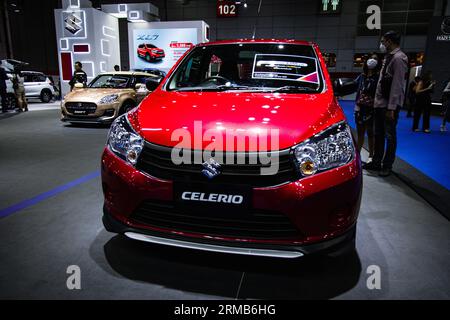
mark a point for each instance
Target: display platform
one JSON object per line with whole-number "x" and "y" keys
{"x": 422, "y": 158}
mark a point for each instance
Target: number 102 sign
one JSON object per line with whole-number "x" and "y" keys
{"x": 226, "y": 9}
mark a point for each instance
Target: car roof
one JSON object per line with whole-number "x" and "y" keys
{"x": 35, "y": 72}
{"x": 238, "y": 41}
{"x": 128, "y": 73}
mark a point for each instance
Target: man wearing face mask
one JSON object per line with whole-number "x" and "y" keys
{"x": 389, "y": 98}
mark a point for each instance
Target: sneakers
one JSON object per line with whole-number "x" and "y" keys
{"x": 443, "y": 128}
{"x": 371, "y": 166}
{"x": 427, "y": 131}
{"x": 385, "y": 172}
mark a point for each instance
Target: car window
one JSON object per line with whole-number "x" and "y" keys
{"x": 39, "y": 78}
{"x": 261, "y": 66}
{"x": 144, "y": 79}
{"x": 111, "y": 81}
{"x": 28, "y": 77}
{"x": 141, "y": 79}
{"x": 151, "y": 46}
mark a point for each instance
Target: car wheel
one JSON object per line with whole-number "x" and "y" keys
{"x": 127, "y": 106}
{"x": 147, "y": 57}
{"x": 46, "y": 96}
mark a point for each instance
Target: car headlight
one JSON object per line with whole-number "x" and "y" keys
{"x": 124, "y": 141}
{"x": 109, "y": 99}
{"x": 327, "y": 150}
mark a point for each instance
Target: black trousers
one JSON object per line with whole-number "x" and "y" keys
{"x": 420, "y": 108}
{"x": 385, "y": 136}
{"x": 3, "y": 96}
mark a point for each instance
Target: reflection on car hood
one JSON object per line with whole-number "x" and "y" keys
{"x": 92, "y": 95}
{"x": 296, "y": 116}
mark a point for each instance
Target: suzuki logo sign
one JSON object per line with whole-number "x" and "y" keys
{"x": 211, "y": 168}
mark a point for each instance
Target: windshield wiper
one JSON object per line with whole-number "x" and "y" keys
{"x": 215, "y": 88}
{"x": 293, "y": 89}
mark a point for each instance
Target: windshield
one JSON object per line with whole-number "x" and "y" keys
{"x": 254, "y": 67}
{"x": 111, "y": 81}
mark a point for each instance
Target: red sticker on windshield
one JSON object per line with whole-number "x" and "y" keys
{"x": 312, "y": 77}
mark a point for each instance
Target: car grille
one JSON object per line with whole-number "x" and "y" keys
{"x": 159, "y": 52}
{"x": 156, "y": 161}
{"x": 81, "y": 107}
{"x": 251, "y": 224}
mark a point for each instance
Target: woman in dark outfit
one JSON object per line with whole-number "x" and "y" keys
{"x": 367, "y": 85}
{"x": 423, "y": 90}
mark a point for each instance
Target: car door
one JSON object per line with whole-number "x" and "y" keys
{"x": 33, "y": 84}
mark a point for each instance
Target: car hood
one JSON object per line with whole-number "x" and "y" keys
{"x": 297, "y": 117}
{"x": 92, "y": 95}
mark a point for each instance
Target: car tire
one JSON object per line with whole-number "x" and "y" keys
{"x": 127, "y": 106}
{"x": 148, "y": 58}
{"x": 46, "y": 96}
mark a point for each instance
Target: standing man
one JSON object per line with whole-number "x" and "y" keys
{"x": 389, "y": 98}
{"x": 79, "y": 76}
{"x": 3, "y": 78}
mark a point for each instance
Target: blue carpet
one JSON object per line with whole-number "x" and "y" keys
{"x": 429, "y": 153}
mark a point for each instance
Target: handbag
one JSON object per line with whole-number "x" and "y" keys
{"x": 15, "y": 83}
{"x": 365, "y": 101}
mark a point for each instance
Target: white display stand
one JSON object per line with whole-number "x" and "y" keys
{"x": 87, "y": 35}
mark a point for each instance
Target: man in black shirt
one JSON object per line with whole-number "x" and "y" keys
{"x": 79, "y": 76}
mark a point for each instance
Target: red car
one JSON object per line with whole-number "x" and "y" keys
{"x": 184, "y": 168}
{"x": 150, "y": 52}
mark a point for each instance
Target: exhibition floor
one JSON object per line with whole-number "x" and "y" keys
{"x": 51, "y": 208}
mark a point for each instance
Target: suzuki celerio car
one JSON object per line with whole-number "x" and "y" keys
{"x": 242, "y": 149}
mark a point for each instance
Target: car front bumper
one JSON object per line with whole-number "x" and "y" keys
{"x": 104, "y": 114}
{"x": 323, "y": 207}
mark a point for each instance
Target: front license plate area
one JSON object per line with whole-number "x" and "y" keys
{"x": 204, "y": 197}
{"x": 80, "y": 112}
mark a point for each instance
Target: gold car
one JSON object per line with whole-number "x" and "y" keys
{"x": 106, "y": 97}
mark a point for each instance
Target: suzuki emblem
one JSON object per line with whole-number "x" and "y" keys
{"x": 211, "y": 168}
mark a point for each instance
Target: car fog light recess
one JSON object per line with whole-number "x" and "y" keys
{"x": 329, "y": 149}
{"x": 124, "y": 141}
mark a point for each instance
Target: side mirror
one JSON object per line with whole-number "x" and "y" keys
{"x": 152, "y": 84}
{"x": 139, "y": 86}
{"x": 344, "y": 86}
{"x": 78, "y": 85}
